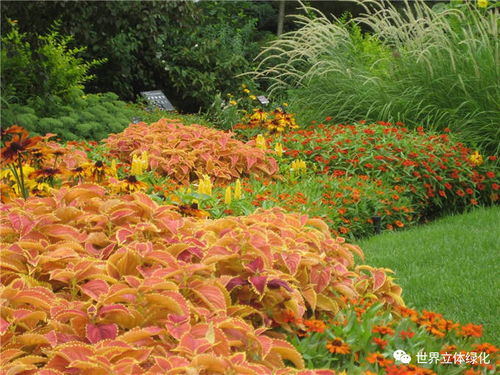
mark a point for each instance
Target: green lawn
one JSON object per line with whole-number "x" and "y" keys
{"x": 450, "y": 266}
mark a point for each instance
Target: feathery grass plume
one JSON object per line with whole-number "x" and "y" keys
{"x": 422, "y": 66}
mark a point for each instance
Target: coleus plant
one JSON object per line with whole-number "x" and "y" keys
{"x": 98, "y": 284}
{"x": 185, "y": 153}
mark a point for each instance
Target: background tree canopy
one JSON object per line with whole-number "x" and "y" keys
{"x": 190, "y": 50}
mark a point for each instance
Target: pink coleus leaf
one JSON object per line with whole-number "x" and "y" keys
{"x": 292, "y": 261}
{"x": 63, "y": 232}
{"x": 256, "y": 265}
{"x": 4, "y": 326}
{"x": 251, "y": 161}
{"x": 379, "y": 277}
{"x": 95, "y": 288}
{"x": 123, "y": 234}
{"x": 177, "y": 325}
{"x": 96, "y": 333}
{"x": 259, "y": 283}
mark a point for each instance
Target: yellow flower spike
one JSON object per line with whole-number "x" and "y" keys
{"x": 201, "y": 187}
{"x": 114, "y": 171}
{"x": 227, "y": 195}
{"x": 279, "y": 149}
{"x": 136, "y": 168}
{"x": 260, "y": 142}
{"x": 205, "y": 185}
{"x": 237, "y": 189}
{"x": 476, "y": 158}
{"x": 483, "y": 3}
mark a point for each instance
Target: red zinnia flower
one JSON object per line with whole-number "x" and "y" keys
{"x": 383, "y": 330}
{"x": 406, "y": 334}
{"x": 380, "y": 342}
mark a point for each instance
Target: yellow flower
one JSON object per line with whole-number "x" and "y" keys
{"x": 243, "y": 86}
{"x": 253, "y": 97}
{"x": 233, "y": 102}
{"x": 205, "y": 185}
{"x": 237, "y": 189}
{"x": 227, "y": 195}
{"x": 482, "y": 3}
{"x": 260, "y": 142}
{"x": 285, "y": 104}
{"x": 246, "y": 91}
{"x": 113, "y": 168}
{"x": 258, "y": 115}
{"x": 298, "y": 166}
{"x": 7, "y": 173}
{"x": 136, "y": 166}
{"x": 476, "y": 158}
{"x": 139, "y": 164}
{"x": 279, "y": 149}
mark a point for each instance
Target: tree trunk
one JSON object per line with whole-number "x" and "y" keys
{"x": 281, "y": 17}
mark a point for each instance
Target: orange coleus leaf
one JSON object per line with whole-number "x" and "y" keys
{"x": 83, "y": 192}
{"x": 139, "y": 334}
{"x": 123, "y": 262}
{"x": 212, "y": 295}
{"x": 38, "y": 297}
{"x": 49, "y": 372}
{"x": 75, "y": 351}
{"x": 288, "y": 352}
{"x": 63, "y": 232}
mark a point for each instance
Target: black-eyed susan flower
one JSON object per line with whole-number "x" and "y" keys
{"x": 337, "y": 346}
{"x": 131, "y": 184}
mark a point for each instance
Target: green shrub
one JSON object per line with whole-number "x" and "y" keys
{"x": 419, "y": 66}
{"x": 41, "y": 66}
{"x": 92, "y": 116}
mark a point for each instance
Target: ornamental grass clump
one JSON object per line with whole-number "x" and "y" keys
{"x": 129, "y": 286}
{"x": 432, "y": 67}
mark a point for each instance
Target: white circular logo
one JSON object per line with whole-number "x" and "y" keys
{"x": 398, "y": 354}
{"x": 405, "y": 358}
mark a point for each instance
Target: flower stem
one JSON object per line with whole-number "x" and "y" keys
{"x": 23, "y": 187}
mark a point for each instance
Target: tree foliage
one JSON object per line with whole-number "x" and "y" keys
{"x": 189, "y": 50}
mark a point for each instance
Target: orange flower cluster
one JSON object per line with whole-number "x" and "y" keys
{"x": 315, "y": 325}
